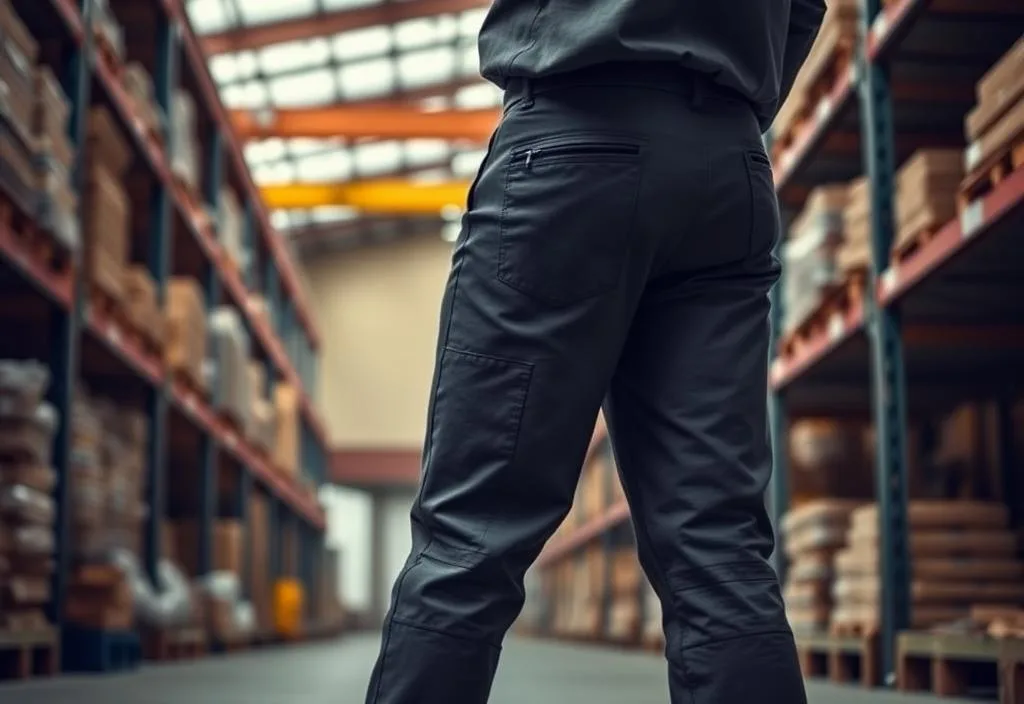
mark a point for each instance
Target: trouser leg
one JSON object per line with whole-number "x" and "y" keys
{"x": 687, "y": 413}
{"x": 534, "y": 316}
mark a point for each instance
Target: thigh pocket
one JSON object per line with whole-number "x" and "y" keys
{"x": 474, "y": 429}
{"x": 568, "y": 211}
{"x": 765, "y": 227}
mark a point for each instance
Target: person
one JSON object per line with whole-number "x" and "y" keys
{"x": 617, "y": 248}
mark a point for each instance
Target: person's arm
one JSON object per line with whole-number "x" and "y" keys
{"x": 804, "y": 22}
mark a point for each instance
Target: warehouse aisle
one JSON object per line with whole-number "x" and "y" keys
{"x": 533, "y": 672}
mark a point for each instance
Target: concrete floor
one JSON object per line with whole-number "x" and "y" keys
{"x": 532, "y": 672}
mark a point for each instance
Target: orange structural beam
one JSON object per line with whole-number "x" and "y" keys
{"x": 382, "y": 196}
{"x": 328, "y": 23}
{"x": 395, "y": 122}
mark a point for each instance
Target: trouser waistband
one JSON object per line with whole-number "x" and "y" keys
{"x": 696, "y": 86}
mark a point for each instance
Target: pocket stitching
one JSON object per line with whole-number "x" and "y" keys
{"x": 751, "y": 164}
{"x": 516, "y": 282}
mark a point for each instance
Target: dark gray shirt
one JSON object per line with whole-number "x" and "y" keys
{"x": 754, "y": 47}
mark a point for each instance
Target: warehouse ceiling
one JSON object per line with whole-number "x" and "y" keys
{"x": 353, "y": 64}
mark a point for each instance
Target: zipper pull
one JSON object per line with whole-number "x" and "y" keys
{"x": 529, "y": 158}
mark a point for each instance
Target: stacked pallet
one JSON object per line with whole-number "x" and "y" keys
{"x": 27, "y": 425}
{"x": 995, "y": 127}
{"x": 108, "y": 220}
{"x": 962, "y": 555}
{"x": 624, "y": 617}
{"x": 827, "y": 62}
{"x": 813, "y": 534}
{"x": 926, "y": 189}
{"x": 109, "y": 444}
{"x": 816, "y": 237}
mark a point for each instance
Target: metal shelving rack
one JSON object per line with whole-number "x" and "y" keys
{"x": 938, "y": 327}
{"x": 286, "y": 346}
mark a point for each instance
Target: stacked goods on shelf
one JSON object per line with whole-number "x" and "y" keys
{"x": 578, "y": 593}
{"x": 139, "y": 85}
{"x": 228, "y": 539}
{"x": 259, "y": 562}
{"x": 184, "y": 141}
{"x": 810, "y": 253}
{"x": 829, "y": 57}
{"x": 142, "y": 307}
{"x": 963, "y": 555}
{"x": 286, "y": 437}
{"x": 652, "y": 629}
{"x": 27, "y": 541}
{"x": 107, "y": 511}
{"x": 18, "y": 54}
{"x": 262, "y": 418}
{"x": 814, "y": 533}
{"x": 108, "y": 220}
{"x": 58, "y": 206}
{"x": 230, "y": 229}
{"x": 228, "y": 617}
{"x": 855, "y": 253}
{"x": 996, "y": 124}
{"x": 229, "y": 350}
{"x": 185, "y": 349}
{"x": 108, "y": 33}
{"x": 999, "y": 622}
{"x": 624, "y": 618}
{"x": 926, "y": 190}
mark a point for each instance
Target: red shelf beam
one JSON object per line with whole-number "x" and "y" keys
{"x": 58, "y": 286}
{"x": 958, "y": 234}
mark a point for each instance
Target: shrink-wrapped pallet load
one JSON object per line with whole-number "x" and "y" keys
{"x": 230, "y": 355}
{"x": 810, "y": 254}
{"x": 139, "y": 85}
{"x": 184, "y": 154}
{"x": 27, "y": 511}
{"x": 962, "y": 554}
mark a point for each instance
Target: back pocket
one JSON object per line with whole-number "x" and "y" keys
{"x": 765, "y": 227}
{"x": 567, "y": 216}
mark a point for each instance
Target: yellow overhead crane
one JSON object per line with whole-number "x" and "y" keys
{"x": 385, "y": 196}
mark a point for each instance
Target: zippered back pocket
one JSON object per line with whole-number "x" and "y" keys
{"x": 574, "y": 151}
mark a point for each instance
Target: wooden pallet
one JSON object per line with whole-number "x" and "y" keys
{"x": 24, "y": 655}
{"x": 841, "y": 659}
{"x": 836, "y": 301}
{"x": 982, "y": 180}
{"x": 175, "y": 644}
{"x": 947, "y": 665}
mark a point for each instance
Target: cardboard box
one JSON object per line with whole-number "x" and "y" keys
{"x": 141, "y": 303}
{"x": 186, "y": 329}
{"x": 107, "y": 143}
{"x": 139, "y": 85}
{"x": 286, "y": 439}
{"x": 106, "y": 231}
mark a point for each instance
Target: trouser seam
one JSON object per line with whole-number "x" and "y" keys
{"x": 439, "y": 632}
{"x": 391, "y": 623}
{"x": 755, "y": 634}
{"x": 641, "y": 529}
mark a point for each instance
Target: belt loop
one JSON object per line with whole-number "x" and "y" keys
{"x": 527, "y": 93}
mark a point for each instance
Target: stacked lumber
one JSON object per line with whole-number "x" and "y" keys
{"x": 963, "y": 555}
{"x": 813, "y": 534}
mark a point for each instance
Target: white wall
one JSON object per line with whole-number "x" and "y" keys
{"x": 396, "y": 541}
{"x": 349, "y": 525}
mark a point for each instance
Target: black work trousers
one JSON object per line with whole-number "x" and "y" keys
{"x": 617, "y": 248}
